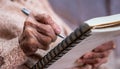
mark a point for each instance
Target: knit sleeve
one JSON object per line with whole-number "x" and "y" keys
{"x": 12, "y": 54}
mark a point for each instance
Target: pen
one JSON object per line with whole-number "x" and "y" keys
{"x": 27, "y": 12}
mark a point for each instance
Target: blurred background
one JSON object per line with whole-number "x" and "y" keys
{"x": 75, "y": 12}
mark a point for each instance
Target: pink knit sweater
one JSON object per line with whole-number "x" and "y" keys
{"x": 11, "y": 26}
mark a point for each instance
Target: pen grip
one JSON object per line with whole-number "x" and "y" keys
{"x": 62, "y": 48}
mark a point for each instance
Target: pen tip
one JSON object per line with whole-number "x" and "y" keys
{"x": 60, "y": 36}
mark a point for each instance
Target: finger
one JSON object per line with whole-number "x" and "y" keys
{"x": 92, "y": 55}
{"x": 46, "y": 19}
{"x": 42, "y": 28}
{"x": 30, "y": 21}
{"x": 83, "y": 67}
{"x": 48, "y": 31}
{"x": 87, "y": 61}
{"x": 104, "y": 47}
{"x": 87, "y": 55}
{"x": 95, "y": 66}
{"x": 43, "y": 40}
{"x": 91, "y": 61}
{"x": 79, "y": 62}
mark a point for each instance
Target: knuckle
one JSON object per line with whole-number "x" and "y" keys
{"x": 27, "y": 23}
{"x": 24, "y": 36}
{"x": 28, "y": 30}
{"x": 30, "y": 24}
{"x": 47, "y": 40}
{"x": 49, "y": 29}
{"x": 45, "y": 16}
{"x": 97, "y": 60}
{"x": 54, "y": 38}
{"x": 51, "y": 33}
{"x": 48, "y": 26}
{"x": 88, "y": 55}
{"x": 44, "y": 43}
{"x": 42, "y": 16}
{"x": 45, "y": 47}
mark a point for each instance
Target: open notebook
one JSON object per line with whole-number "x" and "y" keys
{"x": 104, "y": 29}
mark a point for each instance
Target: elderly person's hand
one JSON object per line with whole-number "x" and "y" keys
{"x": 39, "y": 31}
{"x": 95, "y": 58}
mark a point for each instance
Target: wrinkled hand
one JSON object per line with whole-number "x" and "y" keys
{"x": 39, "y": 31}
{"x": 96, "y": 57}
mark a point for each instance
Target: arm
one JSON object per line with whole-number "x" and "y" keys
{"x": 12, "y": 54}
{"x": 9, "y": 46}
{"x": 13, "y": 27}
{"x": 10, "y": 27}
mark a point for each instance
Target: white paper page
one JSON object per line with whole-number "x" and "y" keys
{"x": 96, "y": 39}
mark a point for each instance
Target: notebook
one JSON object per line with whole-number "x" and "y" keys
{"x": 104, "y": 29}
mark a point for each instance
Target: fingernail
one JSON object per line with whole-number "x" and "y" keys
{"x": 58, "y": 31}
